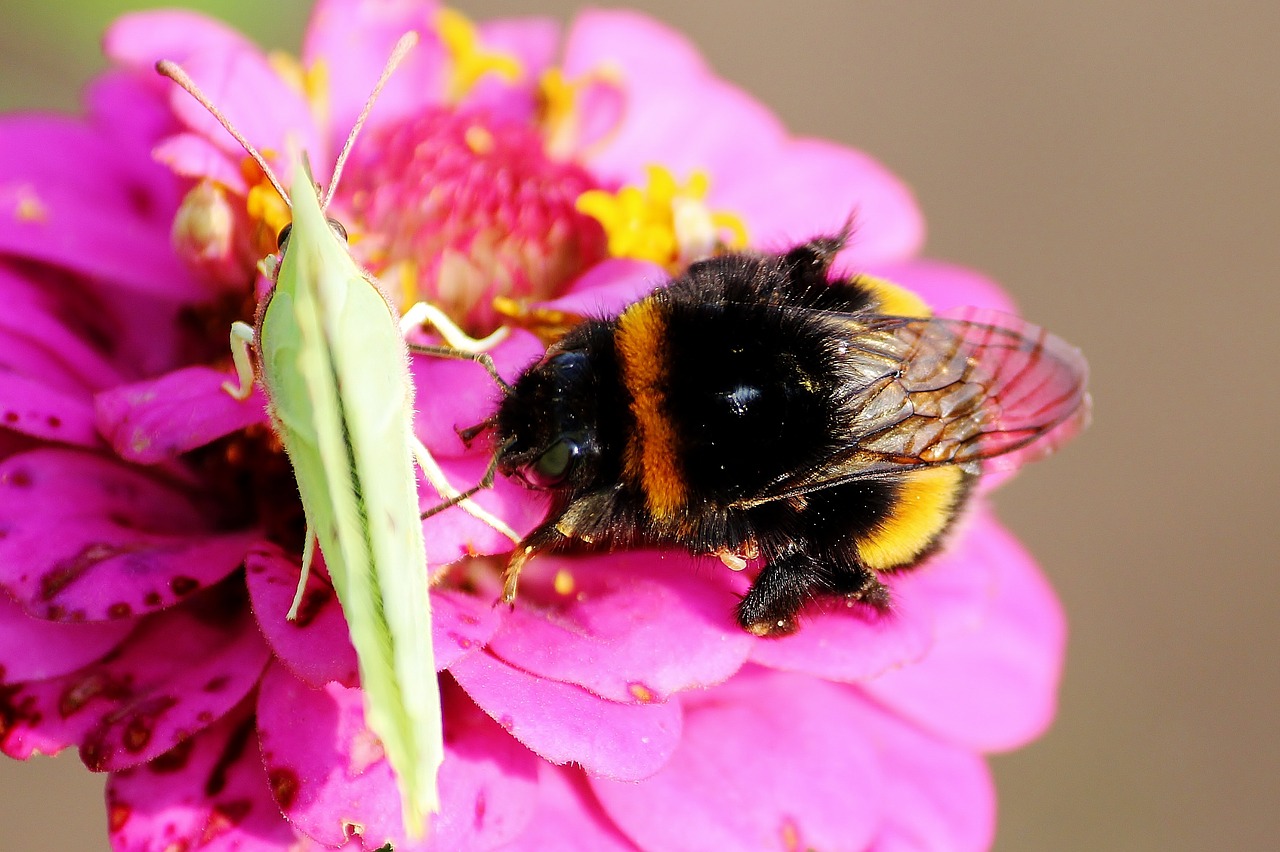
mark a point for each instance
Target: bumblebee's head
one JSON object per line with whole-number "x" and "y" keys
{"x": 547, "y": 423}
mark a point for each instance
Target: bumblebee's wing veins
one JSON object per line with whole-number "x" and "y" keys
{"x": 976, "y": 388}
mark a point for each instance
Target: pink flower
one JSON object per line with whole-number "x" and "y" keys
{"x": 150, "y": 530}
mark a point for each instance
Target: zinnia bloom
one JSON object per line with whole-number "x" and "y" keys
{"x": 150, "y": 531}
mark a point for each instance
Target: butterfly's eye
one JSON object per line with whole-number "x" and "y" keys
{"x": 338, "y": 229}
{"x": 282, "y": 241}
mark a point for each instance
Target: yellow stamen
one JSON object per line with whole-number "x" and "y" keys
{"x": 664, "y": 222}
{"x": 265, "y": 207}
{"x": 560, "y": 107}
{"x": 471, "y": 61}
{"x": 557, "y": 100}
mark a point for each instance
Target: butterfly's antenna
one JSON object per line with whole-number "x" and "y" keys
{"x": 403, "y": 46}
{"x": 175, "y": 73}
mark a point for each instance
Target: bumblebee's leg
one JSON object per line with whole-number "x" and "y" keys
{"x": 543, "y": 538}
{"x": 861, "y": 584}
{"x": 783, "y": 587}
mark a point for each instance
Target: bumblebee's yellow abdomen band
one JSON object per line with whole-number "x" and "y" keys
{"x": 927, "y": 501}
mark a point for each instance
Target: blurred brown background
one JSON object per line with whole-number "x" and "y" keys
{"x": 1114, "y": 164}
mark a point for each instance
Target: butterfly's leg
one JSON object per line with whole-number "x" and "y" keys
{"x": 425, "y": 313}
{"x": 458, "y": 344}
{"x": 241, "y": 343}
{"x": 308, "y": 554}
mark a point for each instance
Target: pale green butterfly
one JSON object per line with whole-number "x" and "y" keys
{"x": 333, "y": 362}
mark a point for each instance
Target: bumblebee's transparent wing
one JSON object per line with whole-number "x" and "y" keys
{"x": 976, "y": 387}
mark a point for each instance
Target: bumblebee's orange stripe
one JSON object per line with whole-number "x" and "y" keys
{"x": 652, "y": 450}
{"x": 927, "y": 501}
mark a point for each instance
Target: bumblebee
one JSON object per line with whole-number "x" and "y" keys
{"x": 755, "y": 408}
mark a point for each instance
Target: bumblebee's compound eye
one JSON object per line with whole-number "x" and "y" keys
{"x": 339, "y": 229}
{"x": 282, "y": 240}
{"x": 554, "y": 466}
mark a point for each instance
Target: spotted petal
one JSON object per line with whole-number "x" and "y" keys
{"x": 328, "y": 772}
{"x": 86, "y": 538}
{"x": 35, "y": 649}
{"x": 208, "y": 792}
{"x": 136, "y": 704}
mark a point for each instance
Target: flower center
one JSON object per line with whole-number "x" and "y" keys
{"x": 456, "y": 208}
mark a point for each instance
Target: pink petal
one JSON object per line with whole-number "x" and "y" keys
{"x": 564, "y": 723}
{"x": 937, "y": 796}
{"x": 328, "y": 772}
{"x": 85, "y": 538}
{"x": 193, "y": 156}
{"x": 209, "y": 792}
{"x": 144, "y": 98}
{"x": 990, "y": 682}
{"x": 353, "y": 41}
{"x": 47, "y": 372}
{"x": 849, "y": 644}
{"x": 107, "y": 335}
{"x": 461, "y": 624}
{"x": 533, "y": 41}
{"x": 70, "y": 200}
{"x": 179, "y": 671}
{"x": 35, "y": 344}
{"x": 233, "y": 73}
{"x": 769, "y": 761}
{"x": 943, "y": 285}
{"x": 453, "y": 394}
{"x": 159, "y": 419}
{"x": 709, "y": 126}
{"x": 809, "y": 187}
{"x": 633, "y": 628}
{"x": 568, "y": 818}
{"x": 608, "y": 287}
{"x": 677, "y": 112}
{"x": 242, "y": 83}
{"x": 35, "y": 649}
